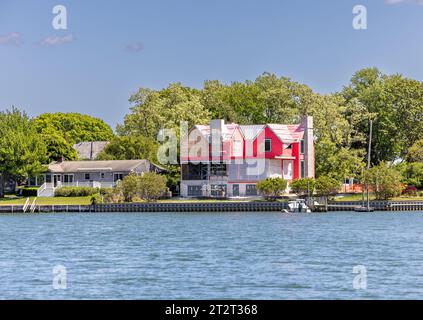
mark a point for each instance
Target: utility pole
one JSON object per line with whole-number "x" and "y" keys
{"x": 368, "y": 160}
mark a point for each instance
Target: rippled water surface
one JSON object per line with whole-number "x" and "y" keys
{"x": 211, "y": 255}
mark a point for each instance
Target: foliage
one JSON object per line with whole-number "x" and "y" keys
{"x": 384, "y": 180}
{"x": 73, "y": 127}
{"x": 76, "y": 191}
{"x": 415, "y": 152}
{"x": 395, "y": 104}
{"x": 412, "y": 173}
{"x": 29, "y": 192}
{"x": 272, "y": 187}
{"x": 129, "y": 148}
{"x": 303, "y": 186}
{"x": 95, "y": 199}
{"x": 58, "y": 147}
{"x": 163, "y": 109}
{"x": 149, "y": 186}
{"x": 22, "y": 150}
{"x": 326, "y": 186}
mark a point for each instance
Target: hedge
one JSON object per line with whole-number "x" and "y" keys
{"x": 76, "y": 191}
{"x": 29, "y": 192}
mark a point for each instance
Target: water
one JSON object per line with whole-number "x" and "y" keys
{"x": 211, "y": 255}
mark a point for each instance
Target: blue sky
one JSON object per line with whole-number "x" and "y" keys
{"x": 113, "y": 47}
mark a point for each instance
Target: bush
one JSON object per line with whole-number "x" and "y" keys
{"x": 29, "y": 192}
{"x": 384, "y": 180}
{"x": 303, "y": 186}
{"x": 76, "y": 191}
{"x": 272, "y": 187}
{"x": 410, "y": 191}
{"x": 149, "y": 187}
{"x": 326, "y": 186}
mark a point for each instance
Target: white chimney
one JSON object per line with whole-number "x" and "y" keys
{"x": 309, "y": 146}
{"x": 217, "y": 127}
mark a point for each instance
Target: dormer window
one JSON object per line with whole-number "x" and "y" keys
{"x": 267, "y": 145}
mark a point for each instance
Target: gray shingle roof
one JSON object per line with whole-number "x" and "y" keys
{"x": 89, "y": 150}
{"x": 92, "y": 166}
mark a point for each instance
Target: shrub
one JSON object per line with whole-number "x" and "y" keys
{"x": 410, "y": 191}
{"x": 29, "y": 192}
{"x": 149, "y": 187}
{"x": 272, "y": 187}
{"x": 384, "y": 180}
{"x": 76, "y": 191}
{"x": 326, "y": 186}
{"x": 303, "y": 186}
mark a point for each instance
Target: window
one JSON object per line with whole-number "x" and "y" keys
{"x": 195, "y": 191}
{"x": 48, "y": 178}
{"x": 68, "y": 178}
{"x": 250, "y": 190}
{"x": 267, "y": 145}
{"x": 102, "y": 175}
{"x": 237, "y": 148}
{"x": 288, "y": 146}
{"x": 218, "y": 169}
{"x": 218, "y": 190}
{"x": 87, "y": 176}
{"x": 302, "y": 165}
{"x": 302, "y": 147}
{"x": 118, "y": 176}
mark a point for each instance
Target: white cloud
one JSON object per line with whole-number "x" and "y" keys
{"x": 13, "y": 38}
{"x": 55, "y": 41}
{"x": 134, "y": 47}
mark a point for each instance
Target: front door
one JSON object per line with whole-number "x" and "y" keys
{"x": 56, "y": 179}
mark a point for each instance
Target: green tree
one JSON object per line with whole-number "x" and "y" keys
{"x": 130, "y": 148}
{"x": 163, "y": 109}
{"x": 326, "y": 186}
{"x": 73, "y": 127}
{"x": 412, "y": 173}
{"x": 22, "y": 151}
{"x": 128, "y": 187}
{"x": 272, "y": 187}
{"x": 384, "y": 180}
{"x": 415, "y": 152}
{"x": 395, "y": 104}
{"x": 303, "y": 186}
{"x": 151, "y": 186}
{"x": 57, "y": 146}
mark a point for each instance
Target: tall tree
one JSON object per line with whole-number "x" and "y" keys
{"x": 22, "y": 150}
{"x": 73, "y": 127}
{"x": 129, "y": 148}
{"x": 163, "y": 109}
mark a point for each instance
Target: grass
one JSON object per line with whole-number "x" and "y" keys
{"x": 9, "y": 200}
{"x": 358, "y": 197}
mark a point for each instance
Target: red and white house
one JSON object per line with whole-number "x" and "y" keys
{"x": 227, "y": 160}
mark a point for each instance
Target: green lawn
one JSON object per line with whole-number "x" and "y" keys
{"x": 47, "y": 200}
{"x": 358, "y": 197}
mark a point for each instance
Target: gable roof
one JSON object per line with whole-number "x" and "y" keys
{"x": 288, "y": 132}
{"x": 95, "y": 166}
{"x": 251, "y": 131}
{"x": 89, "y": 150}
{"x": 228, "y": 131}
